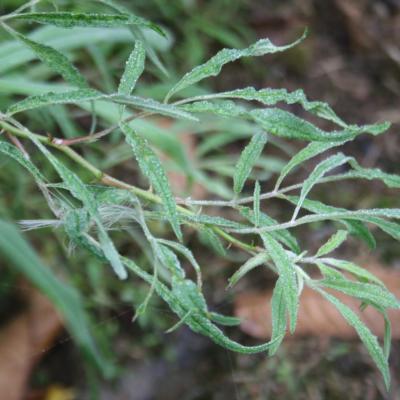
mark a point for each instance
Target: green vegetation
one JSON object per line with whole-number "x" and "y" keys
{"x": 109, "y": 117}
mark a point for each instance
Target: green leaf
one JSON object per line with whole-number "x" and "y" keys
{"x": 65, "y": 298}
{"x": 221, "y": 108}
{"x": 390, "y": 180}
{"x": 247, "y": 160}
{"x": 214, "y": 65}
{"x": 79, "y": 191}
{"x": 319, "y": 171}
{"x": 55, "y": 60}
{"x": 211, "y": 220}
{"x": 373, "y": 216}
{"x": 48, "y": 99}
{"x": 249, "y": 265}
{"x": 152, "y": 168}
{"x": 278, "y": 310}
{"x": 79, "y": 96}
{"x": 370, "y": 341}
{"x": 368, "y": 292}
{"x": 133, "y": 69}
{"x": 187, "y": 302}
{"x": 284, "y": 124}
{"x": 223, "y": 319}
{"x": 256, "y": 204}
{"x": 387, "y": 337}
{"x": 212, "y": 240}
{"x": 360, "y": 273}
{"x": 271, "y": 97}
{"x": 312, "y": 150}
{"x": 72, "y": 20}
{"x": 333, "y": 243}
{"x": 17, "y": 155}
{"x": 359, "y": 230}
{"x": 170, "y": 261}
{"x": 180, "y": 248}
{"x": 287, "y": 272}
{"x": 138, "y": 34}
{"x": 152, "y": 105}
{"x": 283, "y": 235}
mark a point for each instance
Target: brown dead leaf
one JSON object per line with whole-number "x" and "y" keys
{"x": 316, "y": 315}
{"x": 22, "y": 341}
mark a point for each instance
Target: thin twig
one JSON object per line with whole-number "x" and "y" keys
{"x": 108, "y": 180}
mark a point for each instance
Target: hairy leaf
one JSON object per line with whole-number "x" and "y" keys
{"x": 170, "y": 261}
{"x": 214, "y": 65}
{"x": 71, "y": 20}
{"x": 287, "y": 272}
{"x": 79, "y": 191}
{"x": 78, "y": 96}
{"x": 221, "y": 108}
{"x": 319, "y": 171}
{"x": 373, "y": 216}
{"x": 180, "y": 248}
{"x": 368, "y": 292}
{"x": 17, "y": 155}
{"x": 152, "y": 168}
{"x": 249, "y": 265}
{"x": 56, "y": 61}
{"x": 133, "y": 69}
{"x": 370, "y": 341}
{"x": 284, "y": 124}
{"x": 360, "y": 273}
{"x": 256, "y": 204}
{"x": 312, "y": 150}
{"x": 283, "y": 235}
{"x": 247, "y": 160}
{"x": 333, "y": 243}
{"x": 48, "y": 99}
{"x": 278, "y": 312}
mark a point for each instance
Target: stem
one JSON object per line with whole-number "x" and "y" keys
{"x": 263, "y": 196}
{"x": 111, "y": 181}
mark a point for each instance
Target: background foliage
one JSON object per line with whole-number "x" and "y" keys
{"x": 88, "y": 212}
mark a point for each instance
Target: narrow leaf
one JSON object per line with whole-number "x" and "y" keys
{"x": 319, "y": 171}
{"x": 256, "y": 204}
{"x": 133, "y": 69}
{"x": 249, "y": 265}
{"x": 370, "y": 341}
{"x": 278, "y": 311}
{"x": 79, "y": 96}
{"x": 287, "y": 272}
{"x": 152, "y": 168}
{"x": 79, "y": 191}
{"x": 48, "y": 99}
{"x": 373, "y": 216}
{"x": 55, "y": 60}
{"x": 180, "y": 248}
{"x": 71, "y": 20}
{"x": 247, "y": 160}
{"x": 333, "y": 243}
{"x": 283, "y": 235}
{"x": 312, "y": 150}
{"x": 284, "y": 124}
{"x": 360, "y": 273}
{"x": 16, "y": 154}
{"x": 170, "y": 261}
{"x": 213, "y": 66}
{"x": 368, "y": 292}
{"x": 224, "y": 320}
